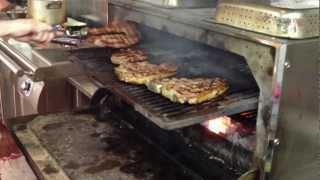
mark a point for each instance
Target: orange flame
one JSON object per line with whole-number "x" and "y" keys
{"x": 219, "y": 125}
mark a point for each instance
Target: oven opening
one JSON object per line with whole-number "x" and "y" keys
{"x": 216, "y": 138}
{"x": 238, "y": 129}
{"x": 224, "y": 144}
{"x": 224, "y": 152}
{"x": 194, "y": 60}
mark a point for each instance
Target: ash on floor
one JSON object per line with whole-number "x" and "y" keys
{"x": 86, "y": 149}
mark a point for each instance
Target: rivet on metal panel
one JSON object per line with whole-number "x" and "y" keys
{"x": 287, "y": 65}
{"x": 26, "y": 87}
{"x": 276, "y": 142}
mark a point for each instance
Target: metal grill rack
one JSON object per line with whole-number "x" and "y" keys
{"x": 193, "y": 60}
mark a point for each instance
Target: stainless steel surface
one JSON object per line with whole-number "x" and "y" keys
{"x": 14, "y": 101}
{"x": 276, "y": 65}
{"x": 287, "y": 23}
{"x": 97, "y": 9}
{"x": 188, "y": 23}
{"x": 23, "y": 90}
{"x": 40, "y": 97}
{"x": 257, "y": 49}
{"x": 263, "y": 53}
{"x": 85, "y": 84}
{"x": 297, "y": 156}
{"x": 295, "y": 4}
{"x": 8, "y": 104}
{"x": 18, "y": 56}
{"x": 36, "y": 84}
{"x": 48, "y": 11}
{"x": 14, "y": 67}
{"x": 273, "y": 112}
{"x": 182, "y": 3}
{"x": 43, "y": 64}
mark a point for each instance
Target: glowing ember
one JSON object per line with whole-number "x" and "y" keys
{"x": 232, "y": 131}
{"x": 220, "y": 125}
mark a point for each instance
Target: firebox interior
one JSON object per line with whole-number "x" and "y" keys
{"x": 193, "y": 60}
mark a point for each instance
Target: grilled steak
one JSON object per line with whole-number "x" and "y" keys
{"x": 124, "y": 56}
{"x": 116, "y": 34}
{"x": 191, "y": 91}
{"x": 142, "y": 72}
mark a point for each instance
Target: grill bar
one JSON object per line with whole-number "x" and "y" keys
{"x": 193, "y": 60}
{"x": 171, "y": 115}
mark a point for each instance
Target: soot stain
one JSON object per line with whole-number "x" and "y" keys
{"x": 95, "y": 124}
{"x": 72, "y": 165}
{"x": 52, "y": 126}
{"x": 94, "y": 135}
{"x": 70, "y": 128}
{"x": 106, "y": 165}
{"x": 50, "y": 170}
{"x": 21, "y": 127}
{"x": 270, "y": 71}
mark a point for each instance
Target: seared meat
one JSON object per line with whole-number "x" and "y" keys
{"x": 191, "y": 91}
{"x": 142, "y": 72}
{"x": 124, "y": 56}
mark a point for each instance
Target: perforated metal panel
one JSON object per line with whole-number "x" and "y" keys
{"x": 280, "y": 22}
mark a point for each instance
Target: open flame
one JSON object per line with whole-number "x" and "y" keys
{"x": 220, "y": 125}
{"x": 232, "y": 131}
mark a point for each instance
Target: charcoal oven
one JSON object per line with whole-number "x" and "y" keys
{"x": 272, "y": 104}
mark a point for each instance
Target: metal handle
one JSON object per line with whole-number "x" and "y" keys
{"x": 54, "y": 4}
{"x": 11, "y": 55}
{"x": 14, "y": 67}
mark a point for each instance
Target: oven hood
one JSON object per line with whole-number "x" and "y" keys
{"x": 296, "y": 4}
{"x": 288, "y": 20}
{"x": 182, "y": 3}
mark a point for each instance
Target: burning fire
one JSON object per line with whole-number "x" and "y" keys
{"x": 232, "y": 131}
{"x": 220, "y": 125}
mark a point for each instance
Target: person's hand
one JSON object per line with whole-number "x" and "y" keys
{"x": 30, "y": 30}
{"x": 4, "y": 5}
{"x": 117, "y": 34}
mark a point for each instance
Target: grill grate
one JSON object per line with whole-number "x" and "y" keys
{"x": 193, "y": 60}
{"x": 169, "y": 115}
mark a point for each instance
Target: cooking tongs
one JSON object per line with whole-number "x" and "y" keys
{"x": 74, "y": 31}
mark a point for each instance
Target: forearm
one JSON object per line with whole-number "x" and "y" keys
{"x": 26, "y": 29}
{"x": 7, "y": 28}
{"x": 17, "y": 28}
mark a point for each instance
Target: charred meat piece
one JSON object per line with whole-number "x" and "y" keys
{"x": 117, "y": 34}
{"x": 124, "y": 56}
{"x": 191, "y": 91}
{"x": 142, "y": 72}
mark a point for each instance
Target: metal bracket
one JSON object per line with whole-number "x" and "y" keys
{"x": 272, "y": 144}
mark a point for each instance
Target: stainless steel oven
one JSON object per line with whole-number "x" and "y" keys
{"x": 267, "y": 54}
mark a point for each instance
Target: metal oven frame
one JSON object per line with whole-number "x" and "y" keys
{"x": 286, "y": 72}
